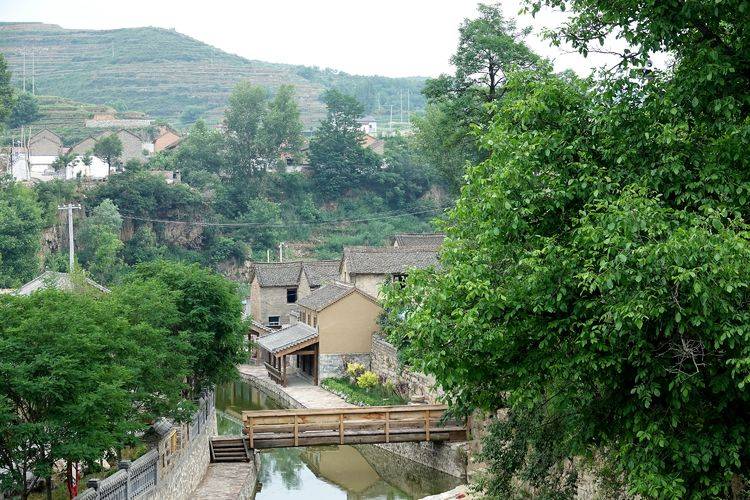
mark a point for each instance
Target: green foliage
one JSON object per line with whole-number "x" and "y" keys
{"x": 367, "y": 380}
{"x": 109, "y": 149}
{"x": 100, "y": 247}
{"x": 338, "y": 160}
{"x": 25, "y": 110}
{"x": 377, "y": 395}
{"x": 21, "y": 225}
{"x": 354, "y": 370}
{"x": 6, "y": 91}
{"x": 209, "y": 318}
{"x": 595, "y": 275}
{"x": 489, "y": 48}
{"x": 83, "y": 375}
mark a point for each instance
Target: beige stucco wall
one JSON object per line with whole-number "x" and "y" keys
{"x": 347, "y": 325}
{"x": 368, "y": 283}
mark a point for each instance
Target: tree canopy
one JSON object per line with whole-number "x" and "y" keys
{"x": 20, "y": 233}
{"x": 594, "y": 280}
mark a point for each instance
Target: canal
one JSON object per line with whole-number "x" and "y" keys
{"x": 363, "y": 472}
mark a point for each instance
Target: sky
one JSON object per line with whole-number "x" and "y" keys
{"x": 383, "y": 37}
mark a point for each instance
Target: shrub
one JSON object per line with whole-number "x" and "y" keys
{"x": 354, "y": 370}
{"x": 367, "y": 380}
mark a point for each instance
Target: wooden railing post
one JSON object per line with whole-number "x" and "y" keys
{"x": 387, "y": 427}
{"x": 250, "y": 431}
{"x": 341, "y": 428}
{"x": 427, "y": 425}
{"x": 296, "y": 430}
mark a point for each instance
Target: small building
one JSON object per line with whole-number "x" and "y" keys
{"x": 45, "y": 143}
{"x": 368, "y": 124}
{"x": 335, "y": 327}
{"x": 166, "y": 138}
{"x": 374, "y": 144}
{"x": 61, "y": 281}
{"x": 424, "y": 240}
{"x": 368, "y": 268}
{"x": 96, "y": 169}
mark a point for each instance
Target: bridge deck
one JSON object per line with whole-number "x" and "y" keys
{"x": 351, "y": 425}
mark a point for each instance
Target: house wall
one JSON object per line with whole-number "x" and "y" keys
{"x": 368, "y": 283}
{"x": 346, "y": 326}
{"x": 44, "y": 146}
{"x": 132, "y": 147}
{"x": 270, "y": 301}
{"x": 84, "y": 146}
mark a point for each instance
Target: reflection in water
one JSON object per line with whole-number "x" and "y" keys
{"x": 326, "y": 472}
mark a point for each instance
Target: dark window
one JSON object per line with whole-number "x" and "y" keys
{"x": 274, "y": 320}
{"x": 290, "y": 161}
{"x": 291, "y": 295}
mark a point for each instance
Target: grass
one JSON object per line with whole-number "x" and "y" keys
{"x": 352, "y": 393}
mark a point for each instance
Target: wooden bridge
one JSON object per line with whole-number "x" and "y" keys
{"x": 353, "y": 425}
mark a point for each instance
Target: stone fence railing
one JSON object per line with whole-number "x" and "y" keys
{"x": 143, "y": 476}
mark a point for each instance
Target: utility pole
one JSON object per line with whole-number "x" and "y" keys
{"x": 33, "y": 73}
{"x": 24, "y": 70}
{"x": 401, "y": 106}
{"x": 71, "y": 248}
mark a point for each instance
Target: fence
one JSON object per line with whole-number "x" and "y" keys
{"x": 141, "y": 476}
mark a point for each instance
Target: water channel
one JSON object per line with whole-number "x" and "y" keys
{"x": 364, "y": 472}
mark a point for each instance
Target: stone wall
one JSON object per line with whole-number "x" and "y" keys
{"x": 334, "y": 365}
{"x": 187, "y": 469}
{"x": 409, "y": 384}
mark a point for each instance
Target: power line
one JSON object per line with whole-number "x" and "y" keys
{"x": 265, "y": 225}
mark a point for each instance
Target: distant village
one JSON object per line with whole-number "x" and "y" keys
{"x": 35, "y": 158}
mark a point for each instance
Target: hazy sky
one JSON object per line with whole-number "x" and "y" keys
{"x": 386, "y": 37}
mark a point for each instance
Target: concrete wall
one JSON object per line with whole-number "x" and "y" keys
{"x": 409, "y": 384}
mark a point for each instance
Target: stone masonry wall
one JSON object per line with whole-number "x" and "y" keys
{"x": 334, "y": 365}
{"x": 187, "y": 470}
{"x": 409, "y": 384}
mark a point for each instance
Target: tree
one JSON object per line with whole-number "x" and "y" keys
{"x": 6, "y": 91}
{"x": 21, "y": 227}
{"x": 258, "y": 133}
{"x": 210, "y": 318}
{"x": 99, "y": 242}
{"x": 595, "y": 276}
{"x": 337, "y": 158}
{"x": 25, "y": 110}
{"x": 143, "y": 247}
{"x": 489, "y": 47}
{"x": 109, "y": 149}
{"x": 81, "y": 375}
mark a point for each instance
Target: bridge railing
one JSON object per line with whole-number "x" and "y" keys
{"x": 355, "y": 425}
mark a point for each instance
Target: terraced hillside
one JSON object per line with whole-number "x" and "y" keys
{"x": 163, "y": 73}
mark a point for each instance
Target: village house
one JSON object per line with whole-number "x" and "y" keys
{"x": 166, "y": 138}
{"x": 374, "y": 144}
{"x": 335, "y": 327}
{"x": 35, "y": 162}
{"x": 424, "y": 240}
{"x": 60, "y": 281}
{"x": 275, "y": 288}
{"x": 368, "y": 268}
{"x": 368, "y": 124}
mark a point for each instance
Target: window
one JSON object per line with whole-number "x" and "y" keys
{"x": 274, "y": 320}
{"x": 291, "y": 295}
{"x": 315, "y": 321}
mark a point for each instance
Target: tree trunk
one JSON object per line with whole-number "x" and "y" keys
{"x": 48, "y": 487}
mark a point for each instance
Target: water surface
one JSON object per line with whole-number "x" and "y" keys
{"x": 363, "y": 472}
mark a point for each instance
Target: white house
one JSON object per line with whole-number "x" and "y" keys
{"x": 96, "y": 169}
{"x": 368, "y": 125}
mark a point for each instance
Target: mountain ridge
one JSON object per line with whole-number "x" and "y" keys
{"x": 163, "y": 72}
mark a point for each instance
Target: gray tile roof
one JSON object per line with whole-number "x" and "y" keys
{"x": 388, "y": 260}
{"x": 272, "y": 274}
{"x": 60, "y": 281}
{"x": 325, "y": 296}
{"x": 429, "y": 240}
{"x": 321, "y": 272}
{"x": 285, "y": 338}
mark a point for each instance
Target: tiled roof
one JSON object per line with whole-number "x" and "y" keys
{"x": 430, "y": 240}
{"x": 388, "y": 260}
{"x": 320, "y": 272}
{"x": 325, "y": 296}
{"x": 272, "y": 274}
{"x": 285, "y": 338}
{"x": 61, "y": 281}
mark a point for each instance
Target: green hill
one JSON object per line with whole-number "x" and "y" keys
{"x": 164, "y": 73}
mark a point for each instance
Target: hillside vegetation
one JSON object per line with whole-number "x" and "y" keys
{"x": 172, "y": 76}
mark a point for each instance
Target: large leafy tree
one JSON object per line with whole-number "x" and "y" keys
{"x": 258, "y": 132}
{"x": 595, "y": 277}
{"x": 109, "y": 149}
{"x": 99, "y": 242}
{"x": 25, "y": 110}
{"x": 82, "y": 375}
{"x": 21, "y": 227}
{"x": 6, "y": 91}
{"x": 338, "y": 160}
{"x": 489, "y": 47}
{"x": 210, "y": 318}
